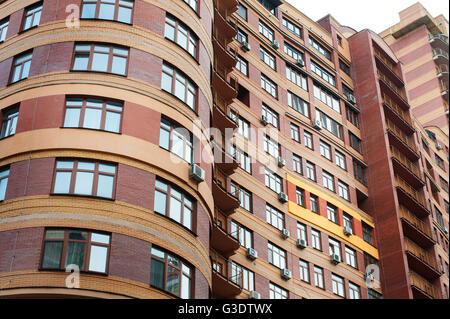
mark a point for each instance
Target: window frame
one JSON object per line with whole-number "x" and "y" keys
{"x": 338, "y": 283}
{"x": 266, "y": 31}
{"x": 248, "y": 276}
{"x": 311, "y": 168}
{"x": 304, "y": 270}
{"x": 180, "y": 131}
{"x": 297, "y": 164}
{"x": 276, "y": 291}
{"x": 275, "y": 218}
{"x": 7, "y": 171}
{"x": 269, "y": 86}
{"x": 191, "y": 36}
{"x": 117, "y": 5}
{"x": 187, "y": 82}
{"x": 9, "y": 120}
{"x": 328, "y": 181}
{"x": 316, "y": 240}
{"x": 270, "y": 176}
{"x": 242, "y": 234}
{"x": 38, "y": 6}
{"x": 268, "y": 58}
{"x": 4, "y": 24}
{"x": 276, "y": 256}
{"x": 28, "y": 57}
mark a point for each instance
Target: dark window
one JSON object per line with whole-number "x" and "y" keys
{"x": 355, "y": 142}
{"x": 101, "y": 58}
{"x": 9, "y": 121}
{"x": 242, "y": 11}
{"x": 3, "y": 29}
{"x": 4, "y": 176}
{"x": 320, "y": 48}
{"x": 193, "y": 4}
{"x": 117, "y": 10}
{"x": 292, "y": 27}
{"x": 300, "y": 196}
{"x": 367, "y": 233}
{"x": 352, "y": 116}
{"x": 93, "y": 113}
{"x": 85, "y": 177}
{"x": 344, "y": 67}
{"x": 87, "y": 249}
{"x": 360, "y": 172}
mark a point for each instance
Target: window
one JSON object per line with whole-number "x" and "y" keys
{"x": 293, "y": 52}
{"x": 242, "y": 11}
{"x": 241, "y": 275}
{"x": 301, "y": 232}
{"x": 277, "y": 256}
{"x": 268, "y": 85}
{"x": 325, "y": 150}
{"x": 245, "y": 197}
{"x": 270, "y": 115}
{"x": 85, "y": 177}
{"x": 271, "y": 147}
{"x": 276, "y": 292}
{"x": 339, "y": 40}
{"x": 327, "y": 76}
{"x": 242, "y": 234}
{"x": 355, "y": 142}
{"x": 292, "y": 27}
{"x": 274, "y": 217}
{"x": 93, "y": 113}
{"x": 176, "y": 139}
{"x": 9, "y": 122}
{"x": 338, "y": 285}
{"x": 444, "y": 184}
{"x": 440, "y": 162}
{"x": 242, "y": 65}
{"x": 243, "y": 159}
{"x": 372, "y": 294}
{"x": 300, "y": 196}
{"x": 315, "y": 240}
{"x": 311, "y": 171}
{"x": 369, "y": 260}
{"x": 21, "y": 67}
{"x": 352, "y": 116}
{"x": 350, "y": 257}
{"x": 3, "y": 29}
{"x": 117, "y": 10}
{"x": 272, "y": 181}
{"x": 335, "y": 247}
{"x": 327, "y": 98}
{"x": 298, "y": 104}
{"x": 169, "y": 273}
{"x": 340, "y": 160}
{"x": 241, "y": 36}
{"x": 266, "y": 31}
{"x": 32, "y": 16}
{"x": 348, "y": 221}
{"x": 320, "y": 48}
{"x": 243, "y": 125}
{"x": 193, "y": 4}
{"x": 266, "y": 57}
{"x": 308, "y": 139}
{"x": 329, "y": 124}
{"x": 4, "y": 175}
{"x": 295, "y": 133}
{"x": 101, "y": 58}
{"x": 297, "y": 164}
{"x": 318, "y": 277}
{"x": 179, "y": 33}
{"x": 173, "y": 203}
{"x": 367, "y": 233}
{"x": 296, "y": 77}
{"x": 178, "y": 84}
{"x": 343, "y": 190}
{"x": 360, "y": 172}
{"x": 332, "y": 213}
{"x": 354, "y": 291}
{"x": 344, "y": 67}
{"x": 304, "y": 270}
{"x": 328, "y": 181}
{"x": 313, "y": 202}
{"x": 88, "y": 250}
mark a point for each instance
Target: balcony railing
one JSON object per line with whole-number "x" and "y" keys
{"x": 397, "y": 109}
{"x": 387, "y": 62}
{"x": 444, "y": 88}
{"x": 423, "y": 284}
{"x": 405, "y": 161}
{"x": 410, "y": 190}
{"x": 438, "y": 36}
{"x": 420, "y": 253}
{"x": 439, "y": 52}
{"x": 401, "y": 135}
{"x": 443, "y": 68}
{"x": 412, "y": 219}
{"x": 392, "y": 85}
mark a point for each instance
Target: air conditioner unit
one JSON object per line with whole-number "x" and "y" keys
{"x": 285, "y": 233}
{"x": 281, "y": 162}
{"x": 300, "y": 62}
{"x": 348, "y": 231}
{"x": 438, "y": 146}
{"x": 254, "y": 295}
{"x": 282, "y": 197}
{"x": 301, "y": 243}
{"x": 264, "y": 120}
{"x": 252, "y": 254}
{"x": 317, "y": 124}
{"x": 351, "y": 98}
{"x": 197, "y": 173}
{"x": 275, "y": 45}
{"x": 335, "y": 259}
{"x": 286, "y": 274}
{"x": 245, "y": 46}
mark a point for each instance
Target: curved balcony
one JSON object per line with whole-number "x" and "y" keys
{"x": 442, "y": 72}
{"x": 408, "y": 170}
{"x": 422, "y": 261}
{"x": 438, "y": 40}
{"x": 422, "y": 288}
{"x": 415, "y": 228}
{"x": 222, "y": 242}
{"x": 220, "y": 118}
{"x": 225, "y": 285}
{"x": 226, "y": 7}
{"x": 223, "y": 90}
{"x": 225, "y": 201}
{"x": 224, "y": 161}
{"x": 440, "y": 56}
{"x": 224, "y": 32}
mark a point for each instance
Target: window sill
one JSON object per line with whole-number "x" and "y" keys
{"x": 165, "y": 291}
{"x": 84, "y": 196}
{"x": 193, "y": 58}
{"x": 4, "y": 138}
{"x": 25, "y": 30}
{"x": 87, "y": 272}
{"x": 18, "y": 81}
{"x": 190, "y": 108}
{"x": 107, "y": 20}
{"x": 98, "y": 72}
{"x": 90, "y": 129}
{"x": 177, "y": 223}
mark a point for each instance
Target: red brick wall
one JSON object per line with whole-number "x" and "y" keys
{"x": 202, "y": 226}
{"x": 5, "y": 71}
{"x": 262, "y": 286}
{"x": 141, "y": 122}
{"x": 201, "y": 290}
{"x": 145, "y": 66}
{"x": 15, "y": 23}
{"x": 149, "y": 17}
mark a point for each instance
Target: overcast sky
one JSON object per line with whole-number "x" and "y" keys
{"x": 376, "y": 15}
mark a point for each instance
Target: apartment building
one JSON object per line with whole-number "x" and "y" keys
{"x": 108, "y": 163}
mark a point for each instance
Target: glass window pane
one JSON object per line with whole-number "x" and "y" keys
{"x": 54, "y": 234}
{"x": 166, "y": 82}
{"x": 107, "y": 168}
{"x": 175, "y": 209}
{"x": 160, "y": 202}
{"x": 180, "y": 88}
{"x": 106, "y": 11}
{"x": 158, "y": 253}
{"x": 97, "y": 259}
{"x": 64, "y": 164}
{"x": 72, "y": 118}
{"x": 78, "y": 235}
{"x": 173, "y": 281}
{"x": 187, "y": 218}
{"x": 37, "y": 18}
{"x": 185, "y": 287}
{"x": 3, "y": 184}
{"x": 100, "y": 238}
{"x": 83, "y": 183}
{"x": 81, "y": 61}
{"x": 86, "y": 165}
{"x": 105, "y": 186}
{"x": 62, "y": 182}
{"x": 52, "y": 255}
{"x": 92, "y": 118}
{"x": 75, "y": 254}
{"x": 124, "y": 15}
{"x": 100, "y": 62}
{"x": 157, "y": 273}
{"x": 112, "y": 122}
{"x": 164, "y": 139}
{"x": 119, "y": 65}
{"x": 88, "y": 11}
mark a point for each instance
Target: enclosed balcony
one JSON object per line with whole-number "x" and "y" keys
{"x": 415, "y": 228}
{"x": 438, "y": 40}
{"x": 225, "y": 201}
{"x": 440, "y": 56}
{"x": 402, "y": 141}
{"x": 422, "y": 288}
{"x": 411, "y": 198}
{"x": 223, "y": 242}
{"x": 385, "y": 64}
{"x": 225, "y": 284}
{"x": 224, "y": 32}
{"x": 442, "y": 72}
{"x": 421, "y": 260}
{"x": 226, "y": 7}
{"x": 406, "y": 169}
{"x": 444, "y": 89}
{"x": 396, "y": 91}
{"x": 399, "y": 116}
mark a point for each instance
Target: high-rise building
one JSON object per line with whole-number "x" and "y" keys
{"x": 212, "y": 149}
